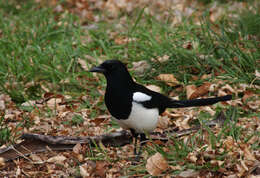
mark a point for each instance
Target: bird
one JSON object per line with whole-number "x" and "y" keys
{"x": 135, "y": 107}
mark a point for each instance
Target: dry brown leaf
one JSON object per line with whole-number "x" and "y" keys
{"x": 160, "y": 59}
{"x": 183, "y": 123}
{"x": 217, "y": 162}
{"x": 87, "y": 169}
{"x": 2, "y": 105}
{"x": 253, "y": 139}
{"x": 83, "y": 64}
{"x": 190, "y": 89}
{"x": 141, "y": 67}
{"x": 206, "y": 76}
{"x": 229, "y": 143}
{"x": 247, "y": 94}
{"x": 187, "y": 45}
{"x": 257, "y": 74}
{"x": 80, "y": 157}
{"x": 163, "y": 122}
{"x": 77, "y": 148}
{"x": 113, "y": 10}
{"x": 29, "y": 103}
{"x": 123, "y": 40}
{"x": 53, "y": 102}
{"x": 209, "y": 110}
{"x": 200, "y": 91}
{"x": 247, "y": 153}
{"x": 101, "y": 168}
{"x": 36, "y": 158}
{"x": 228, "y": 89}
{"x": 189, "y": 173}
{"x": 192, "y": 156}
{"x": 57, "y": 159}
{"x": 120, "y": 40}
{"x": 156, "y": 164}
{"x": 9, "y": 116}
{"x": 178, "y": 167}
{"x": 241, "y": 170}
{"x": 254, "y": 105}
{"x": 154, "y": 88}
{"x": 216, "y": 13}
{"x": 100, "y": 119}
{"x": 169, "y": 79}
{"x": 18, "y": 172}
{"x": 2, "y": 162}
{"x": 83, "y": 171}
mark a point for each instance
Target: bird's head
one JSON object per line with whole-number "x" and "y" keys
{"x": 110, "y": 67}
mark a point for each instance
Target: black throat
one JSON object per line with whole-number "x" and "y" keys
{"x": 119, "y": 94}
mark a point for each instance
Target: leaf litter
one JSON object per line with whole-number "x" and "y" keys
{"x": 57, "y": 115}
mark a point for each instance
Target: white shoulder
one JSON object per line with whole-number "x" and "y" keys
{"x": 141, "y": 97}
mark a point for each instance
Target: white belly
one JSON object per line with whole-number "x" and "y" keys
{"x": 142, "y": 120}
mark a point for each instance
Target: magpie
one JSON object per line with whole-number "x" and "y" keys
{"x": 134, "y": 106}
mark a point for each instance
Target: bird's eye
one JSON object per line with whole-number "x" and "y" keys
{"x": 111, "y": 67}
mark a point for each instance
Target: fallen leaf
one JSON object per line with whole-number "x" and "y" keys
{"x": 183, "y": 123}
{"x": 98, "y": 121}
{"x": 217, "y": 162}
{"x": 177, "y": 167}
{"x": 18, "y": 172}
{"x": 200, "y": 91}
{"x": 29, "y": 103}
{"x": 53, "y": 102}
{"x": 57, "y": 159}
{"x": 141, "y": 67}
{"x": 187, "y": 45}
{"x": 192, "y": 156}
{"x": 190, "y": 89}
{"x": 101, "y": 168}
{"x": 228, "y": 89}
{"x": 257, "y": 74}
{"x": 2, "y": 162}
{"x": 156, "y": 164}
{"x": 58, "y": 8}
{"x": 154, "y": 88}
{"x": 83, "y": 64}
{"x": 229, "y": 143}
{"x": 254, "y": 105}
{"x": 77, "y": 148}
{"x": 169, "y": 79}
{"x": 87, "y": 168}
{"x": 189, "y": 173}
{"x": 160, "y": 59}
{"x": 123, "y": 40}
{"x": 2, "y": 105}
{"x": 247, "y": 94}
{"x": 209, "y": 110}
{"x": 248, "y": 154}
{"x": 241, "y": 170}
{"x": 80, "y": 157}
{"x": 36, "y": 158}
{"x": 163, "y": 122}
{"x": 206, "y": 76}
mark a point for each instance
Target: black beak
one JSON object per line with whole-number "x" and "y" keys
{"x": 98, "y": 69}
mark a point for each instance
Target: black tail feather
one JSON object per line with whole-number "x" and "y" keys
{"x": 199, "y": 102}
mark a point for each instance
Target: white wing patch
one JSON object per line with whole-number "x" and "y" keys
{"x": 141, "y": 97}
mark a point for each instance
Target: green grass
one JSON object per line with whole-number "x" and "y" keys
{"x": 39, "y": 47}
{"x": 5, "y": 132}
{"x": 42, "y": 49}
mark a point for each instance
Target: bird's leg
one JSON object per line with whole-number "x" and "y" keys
{"x": 142, "y": 139}
{"x": 142, "y": 142}
{"x": 135, "y": 136}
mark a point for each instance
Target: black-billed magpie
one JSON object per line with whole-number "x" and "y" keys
{"x": 134, "y": 106}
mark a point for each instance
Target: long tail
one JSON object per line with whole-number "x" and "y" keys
{"x": 199, "y": 102}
